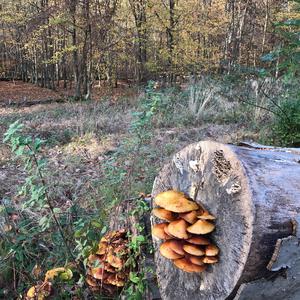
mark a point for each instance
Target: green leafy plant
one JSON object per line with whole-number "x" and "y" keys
{"x": 286, "y": 57}
{"x": 286, "y": 129}
{"x": 38, "y": 232}
{"x": 129, "y": 170}
{"x": 39, "y": 228}
{"x": 35, "y": 187}
{"x": 139, "y": 247}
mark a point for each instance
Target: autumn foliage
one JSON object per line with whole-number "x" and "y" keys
{"x": 78, "y": 43}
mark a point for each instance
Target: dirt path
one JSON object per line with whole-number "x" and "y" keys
{"x": 19, "y": 93}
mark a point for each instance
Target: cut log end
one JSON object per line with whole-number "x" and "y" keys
{"x": 233, "y": 183}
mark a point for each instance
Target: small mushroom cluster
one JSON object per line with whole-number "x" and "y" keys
{"x": 107, "y": 271}
{"x": 45, "y": 289}
{"x": 185, "y": 232}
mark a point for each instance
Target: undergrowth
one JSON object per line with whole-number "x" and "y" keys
{"x": 40, "y": 235}
{"x": 41, "y": 232}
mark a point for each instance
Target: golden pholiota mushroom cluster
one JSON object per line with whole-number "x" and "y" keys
{"x": 185, "y": 232}
{"x": 106, "y": 268}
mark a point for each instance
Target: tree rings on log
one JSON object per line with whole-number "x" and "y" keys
{"x": 254, "y": 194}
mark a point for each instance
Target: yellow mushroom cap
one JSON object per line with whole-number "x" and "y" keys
{"x": 107, "y": 267}
{"x": 91, "y": 281}
{"x": 210, "y": 259}
{"x": 211, "y": 250}
{"x": 176, "y": 246}
{"x": 196, "y": 260}
{"x": 114, "y": 279}
{"x": 114, "y": 260}
{"x": 158, "y": 231}
{"x": 193, "y": 249}
{"x": 175, "y": 201}
{"x": 187, "y": 266}
{"x": 206, "y": 216}
{"x": 178, "y": 229}
{"x": 198, "y": 240}
{"x": 201, "y": 227}
{"x": 31, "y": 293}
{"x": 102, "y": 248}
{"x": 166, "y": 230}
{"x": 166, "y": 251}
{"x": 51, "y": 274}
{"x": 190, "y": 217}
{"x": 98, "y": 273}
{"x": 163, "y": 214}
{"x": 93, "y": 260}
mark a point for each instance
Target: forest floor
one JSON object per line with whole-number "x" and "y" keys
{"x": 97, "y": 153}
{"x": 83, "y": 136}
{"x": 26, "y": 94}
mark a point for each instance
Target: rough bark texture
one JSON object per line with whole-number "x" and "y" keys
{"x": 253, "y": 191}
{"x": 285, "y": 263}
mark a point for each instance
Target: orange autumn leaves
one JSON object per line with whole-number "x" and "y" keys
{"x": 185, "y": 231}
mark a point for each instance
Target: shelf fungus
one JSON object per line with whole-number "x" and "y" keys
{"x": 185, "y": 232}
{"x": 107, "y": 270}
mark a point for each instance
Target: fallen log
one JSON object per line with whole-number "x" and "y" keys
{"x": 285, "y": 262}
{"x": 254, "y": 193}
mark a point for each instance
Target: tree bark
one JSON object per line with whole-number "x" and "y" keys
{"x": 138, "y": 8}
{"x": 254, "y": 193}
{"x": 77, "y": 77}
{"x": 170, "y": 36}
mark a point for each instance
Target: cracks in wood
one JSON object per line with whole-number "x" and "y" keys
{"x": 221, "y": 167}
{"x": 195, "y": 165}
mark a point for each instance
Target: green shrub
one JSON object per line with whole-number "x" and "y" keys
{"x": 286, "y": 130}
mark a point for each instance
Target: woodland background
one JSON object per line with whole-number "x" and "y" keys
{"x": 96, "y": 95}
{"x": 82, "y": 43}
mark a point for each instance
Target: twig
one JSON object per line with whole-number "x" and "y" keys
{"x": 277, "y": 105}
{"x": 259, "y": 106}
{"x": 50, "y": 205}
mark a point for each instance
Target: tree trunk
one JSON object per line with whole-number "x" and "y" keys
{"x": 170, "y": 37}
{"x": 77, "y": 77}
{"x": 254, "y": 193}
{"x": 138, "y": 8}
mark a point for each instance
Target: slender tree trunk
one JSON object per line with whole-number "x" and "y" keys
{"x": 77, "y": 79}
{"x": 265, "y": 26}
{"x": 170, "y": 37}
{"x": 87, "y": 52}
{"x": 138, "y": 8}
